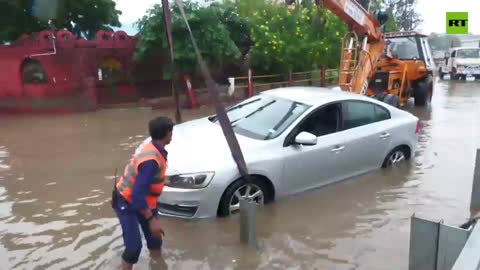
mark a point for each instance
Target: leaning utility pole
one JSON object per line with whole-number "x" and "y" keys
{"x": 247, "y": 206}
{"x": 167, "y": 16}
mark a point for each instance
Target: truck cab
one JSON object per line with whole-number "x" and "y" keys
{"x": 413, "y": 48}
{"x": 461, "y": 63}
{"x": 411, "y": 63}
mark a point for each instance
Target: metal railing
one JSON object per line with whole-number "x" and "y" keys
{"x": 252, "y": 84}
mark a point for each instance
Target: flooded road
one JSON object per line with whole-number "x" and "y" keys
{"x": 56, "y": 176}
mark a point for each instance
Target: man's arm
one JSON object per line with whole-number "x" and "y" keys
{"x": 146, "y": 173}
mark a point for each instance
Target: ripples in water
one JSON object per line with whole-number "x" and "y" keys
{"x": 55, "y": 208}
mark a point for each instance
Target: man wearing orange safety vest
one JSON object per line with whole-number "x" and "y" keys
{"x": 136, "y": 193}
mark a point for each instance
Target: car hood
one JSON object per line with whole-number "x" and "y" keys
{"x": 468, "y": 61}
{"x": 199, "y": 146}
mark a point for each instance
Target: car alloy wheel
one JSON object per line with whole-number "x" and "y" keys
{"x": 249, "y": 192}
{"x": 396, "y": 157}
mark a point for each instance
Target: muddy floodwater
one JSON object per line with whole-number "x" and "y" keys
{"x": 56, "y": 177}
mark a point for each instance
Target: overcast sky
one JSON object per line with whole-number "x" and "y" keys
{"x": 433, "y": 14}
{"x": 432, "y": 11}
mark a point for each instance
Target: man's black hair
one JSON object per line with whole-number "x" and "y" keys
{"x": 159, "y": 127}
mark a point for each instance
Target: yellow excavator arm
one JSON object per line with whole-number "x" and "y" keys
{"x": 357, "y": 68}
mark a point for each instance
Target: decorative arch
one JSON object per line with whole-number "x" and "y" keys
{"x": 111, "y": 70}
{"x": 33, "y": 72}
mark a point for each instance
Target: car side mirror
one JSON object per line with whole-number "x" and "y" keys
{"x": 305, "y": 138}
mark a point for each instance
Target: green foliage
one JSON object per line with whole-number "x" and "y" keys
{"x": 88, "y": 16}
{"x": 210, "y": 27}
{"x": 295, "y": 40}
{"x": 246, "y": 8}
{"x": 391, "y": 25}
{"x": 83, "y": 17}
{"x": 14, "y": 21}
{"x": 236, "y": 25}
{"x": 402, "y": 14}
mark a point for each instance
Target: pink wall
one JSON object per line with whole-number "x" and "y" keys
{"x": 74, "y": 60}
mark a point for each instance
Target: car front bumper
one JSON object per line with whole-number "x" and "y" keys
{"x": 188, "y": 203}
{"x": 469, "y": 71}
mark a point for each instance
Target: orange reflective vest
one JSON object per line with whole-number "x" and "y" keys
{"x": 126, "y": 182}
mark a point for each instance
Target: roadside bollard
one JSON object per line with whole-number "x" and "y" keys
{"x": 248, "y": 222}
{"x": 249, "y": 90}
{"x": 231, "y": 87}
{"x": 192, "y": 97}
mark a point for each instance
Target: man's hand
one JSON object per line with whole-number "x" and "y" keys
{"x": 155, "y": 228}
{"x": 146, "y": 213}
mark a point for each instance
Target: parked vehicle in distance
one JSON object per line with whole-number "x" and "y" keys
{"x": 293, "y": 139}
{"x": 461, "y": 63}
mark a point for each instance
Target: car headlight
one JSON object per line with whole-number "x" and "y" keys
{"x": 190, "y": 180}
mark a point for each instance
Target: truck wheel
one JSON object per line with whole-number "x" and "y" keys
{"x": 454, "y": 75}
{"x": 440, "y": 74}
{"x": 392, "y": 100}
{"x": 379, "y": 96}
{"x": 423, "y": 91}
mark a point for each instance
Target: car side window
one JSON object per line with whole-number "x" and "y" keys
{"x": 322, "y": 122}
{"x": 453, "y": 53}
{"x": 381, "y": 113}
{"x": 358, "y": 113}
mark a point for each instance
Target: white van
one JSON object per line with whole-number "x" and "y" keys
{"x": 461, "y": 63}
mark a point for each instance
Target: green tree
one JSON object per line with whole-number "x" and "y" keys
{"x": 392, "y": 25}
{"x": 236, "y": 24}
{"x": 86, "y": 17}
{"x": 246, "y": 8}
{"x": 210, "y": 28}
{"x": 404, "y": 13}
{"x": 295, "y": 40}
{"x": 82, "y": 17}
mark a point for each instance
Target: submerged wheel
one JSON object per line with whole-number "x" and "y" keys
{"x": 454, "y": 75}
{"x": 256, "y": 190}
{"x": 379, "y": 96}
{"x": 392, "y": 100}
{"x": 423, "y": 91}
{"x": 396, "y": 156}
{"x": 440, "y": 74}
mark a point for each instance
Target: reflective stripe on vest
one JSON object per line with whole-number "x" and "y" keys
{"x": 127, "y": 181}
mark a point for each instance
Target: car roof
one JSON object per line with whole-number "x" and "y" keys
{"x": 315, "y": 96}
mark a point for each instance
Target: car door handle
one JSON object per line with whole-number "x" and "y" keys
{"x": 384, "y": 135}
{"x": 338, "y": 149}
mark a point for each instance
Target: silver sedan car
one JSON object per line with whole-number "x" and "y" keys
{"x": 293, "y": 139}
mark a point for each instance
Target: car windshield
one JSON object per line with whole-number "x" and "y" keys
{"x": 263, "y": 117}
{"x": 468, "y": 53}
{"x": 404, "y": 48}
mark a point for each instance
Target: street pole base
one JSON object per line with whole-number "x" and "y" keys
{"x": 248, "y": 222}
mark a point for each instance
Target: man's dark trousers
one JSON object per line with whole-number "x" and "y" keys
{"x": 131, "y": 221}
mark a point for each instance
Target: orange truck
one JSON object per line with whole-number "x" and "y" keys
{"x": 391, "y": 67}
